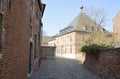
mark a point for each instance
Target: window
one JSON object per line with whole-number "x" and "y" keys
{"x": 65, "y": 49}
{"x": 1, "y": 18}
{"x": 35, "y": 47}
{"x": 37, "y": 14}
{"x": 1, "y": 32}
{"x": 70, "y": 48}
{"x": 32, "y": 6}
{"x": 37, "y": 10}
{"x": 9, "y": 4}
{"x": 31, "y": 2}
{"x": 30, "y": 58}
{"x": 1, "y": 5}
{"x": 84, "y": 28}
{"x": 30, "y": 27}
{"x": 70, "y": 38}
{"x": 83, "y": 38}
{"x": 92, "y": 28}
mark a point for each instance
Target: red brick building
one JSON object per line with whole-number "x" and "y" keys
{"x": 116, "y": 25}
{"x": 20, "y": 37}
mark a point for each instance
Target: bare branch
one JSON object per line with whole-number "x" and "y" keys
{"x": 98, "y": 15}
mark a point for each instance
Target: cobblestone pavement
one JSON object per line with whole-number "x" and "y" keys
{"x": 61, "y": 68}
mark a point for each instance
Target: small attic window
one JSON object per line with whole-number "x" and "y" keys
{"x": 104, "y": 29}
{"x": 85, "y": 28}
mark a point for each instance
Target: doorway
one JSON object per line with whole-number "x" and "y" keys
{"x": 30, "y": 58}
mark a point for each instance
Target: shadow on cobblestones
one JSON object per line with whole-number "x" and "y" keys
{"x": 61, "y": 68}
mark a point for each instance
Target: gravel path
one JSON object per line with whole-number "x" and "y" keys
{"x": 61, "y": 68}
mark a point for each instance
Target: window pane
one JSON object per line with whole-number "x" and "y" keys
{"x": 1, "y": 5}
{"x": 0, "y": 32}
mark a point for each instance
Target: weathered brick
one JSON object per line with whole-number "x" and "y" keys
{"x": 116, "y": 25}
{"x": 14, "y": 62}
{"x": 109, "y": 64}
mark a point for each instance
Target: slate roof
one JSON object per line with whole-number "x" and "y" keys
{"x": 82, "y": 22}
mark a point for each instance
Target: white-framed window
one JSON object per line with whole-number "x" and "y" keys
{"x": 84, "y": 28}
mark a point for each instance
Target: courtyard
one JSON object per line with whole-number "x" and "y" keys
{"x": 63, "y": 68}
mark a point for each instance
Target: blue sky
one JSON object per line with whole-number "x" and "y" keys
{"x": 59, "y": 13}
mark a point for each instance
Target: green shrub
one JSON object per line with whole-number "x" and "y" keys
{"x": 94, "y": 48}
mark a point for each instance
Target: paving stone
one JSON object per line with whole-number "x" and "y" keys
{"x": 61, "y": 68}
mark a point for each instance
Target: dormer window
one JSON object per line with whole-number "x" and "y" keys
{"x": 103, "y": 30}
{"x": 85, "y": 28}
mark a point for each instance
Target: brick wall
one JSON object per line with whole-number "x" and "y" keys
{"x": 116, "y": 25}
{"x": 14, "y": 62}
{"x": 109, "y": 64}
{"x": 91, "y": 62}
{"x": 48, "y": 51}
{"x": 106, "y": 64}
